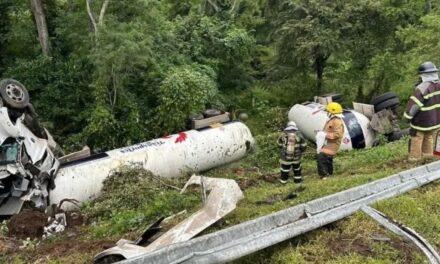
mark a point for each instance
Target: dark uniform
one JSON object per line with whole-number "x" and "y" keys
{"x": 423, "y": 112}
{"x": 292, "y": 145}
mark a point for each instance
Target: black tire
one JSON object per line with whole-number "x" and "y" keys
{"x": 336, "y": 97}
{"x": 198, "y": 116}
{"x": 14, "y": 94}
{"x": 391, "y": 103}
{"x": 193, "y": 117}
{"x": 211, "y": 113}
{"x": 384, "y": 97}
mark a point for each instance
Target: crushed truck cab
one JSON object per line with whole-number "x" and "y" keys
{"x": 27, "y": 165}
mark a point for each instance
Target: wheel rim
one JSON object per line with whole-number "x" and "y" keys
{"x": 15, "y": 93}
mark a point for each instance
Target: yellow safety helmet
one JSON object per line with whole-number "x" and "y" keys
{"x": 334, "y": 108}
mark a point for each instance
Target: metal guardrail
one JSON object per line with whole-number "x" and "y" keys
{"x": 405, "y": 232}
{"x": 251, "y": 236}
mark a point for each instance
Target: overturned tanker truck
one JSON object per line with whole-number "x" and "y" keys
{"x": 187, "y": 152}
{"x": 33, "y": 168}
{"x": 362, "y": 125}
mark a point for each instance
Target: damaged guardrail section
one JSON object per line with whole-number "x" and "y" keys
{"x": 251, "y": 236}
{"x": 405, "y": 232}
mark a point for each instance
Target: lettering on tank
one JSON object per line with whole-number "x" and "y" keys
{"x": 142, "y": 146}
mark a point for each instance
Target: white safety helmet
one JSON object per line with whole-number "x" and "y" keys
{"x": 291, "y": 125}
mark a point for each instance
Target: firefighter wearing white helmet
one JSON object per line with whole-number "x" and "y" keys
{"x": 292, "y": 145}
{"x": 332, "y": 134}
{"x": 423, "y": 112}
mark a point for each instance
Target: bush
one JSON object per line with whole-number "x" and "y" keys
{"x": 133, "y": 197}
{"x": 185, "y": 90}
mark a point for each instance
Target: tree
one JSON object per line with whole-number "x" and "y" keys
{"x": 96, "y": 22}
{"x": 310, "y": 31}
{"x": 186, "y": 90}
{"x": 40, "y": 21}
{"x": 5, "y": 26}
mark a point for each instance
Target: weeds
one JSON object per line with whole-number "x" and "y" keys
{"x": 133, "y": 197}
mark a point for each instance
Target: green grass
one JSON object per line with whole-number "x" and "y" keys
{"x": 354, "y": 235}
{"x": 351, "y": 240}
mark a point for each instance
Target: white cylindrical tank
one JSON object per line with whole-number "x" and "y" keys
{"x": 311, "y": 118}
{"x": 186, "y": 152}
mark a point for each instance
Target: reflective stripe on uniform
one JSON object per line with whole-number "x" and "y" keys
{"x": 425, "y": 128}
{"x": 420, "y": 104}
{"x": 283, "y": 170}
{"x": 432, "y": 107}
{"x": 284, "y": 162}
{"x": 431, "y": 95}
{"x": 407, "y": 116}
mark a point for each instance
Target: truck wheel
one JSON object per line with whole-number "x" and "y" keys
{"x": 384, "y": 97}
{"x": 211, "y": 113}
{"x": 390, "y": 103}
{"x": 198, "y": 116}
{"x": 336, "y": 97}
{"x": 14, "y": 93}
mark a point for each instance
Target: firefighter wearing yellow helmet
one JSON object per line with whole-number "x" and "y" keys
{"x": 333, "y": 133}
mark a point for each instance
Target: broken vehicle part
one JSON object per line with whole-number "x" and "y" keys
{"x": 222, "y": 199}
{"x": 209, "y": 120}
{"x": 251, "y": 236}
{"x": 84, "y": 153}
{"x": 405, "y": 232}
{"x": 187, "y": 152}
{"x": 27, "y": 165}
{"x": 149, "y": 232}
{"x": 57, "y": 225}
{"x": 116, "y": 253}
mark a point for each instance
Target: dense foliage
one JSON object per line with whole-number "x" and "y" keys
{"x": 132, "y": 197}
{"x": 119, "y": 72}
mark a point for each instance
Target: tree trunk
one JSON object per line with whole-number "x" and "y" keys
{"x": 360, "y": 93}
{"x": 40, "y": 21}
{"x": 92, "y": 18}
{"x": 428, "y": 6}
{"x": 319, "y": 67}
{"x": 378, "y": 83}
{"x": 208, "y": 3}
{"x": 102, "y": 13}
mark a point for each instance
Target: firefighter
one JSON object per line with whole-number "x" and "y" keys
{"x": 292, "y": 145}
{"x": 423, "y": 112}
{"x": 333, "y": 132}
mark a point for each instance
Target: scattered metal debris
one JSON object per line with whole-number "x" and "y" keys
{"x": 171, "y": 217}
{"x": 222, "y": 199}
{"x": 243, "y": 239}
{"x": 404, "y": 232}
{"x": 57, "y": 225}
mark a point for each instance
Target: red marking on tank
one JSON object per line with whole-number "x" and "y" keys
{"x": 346, "y": 140}
{"x": 182, "y": 137}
